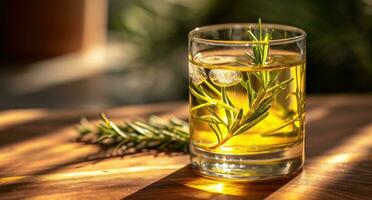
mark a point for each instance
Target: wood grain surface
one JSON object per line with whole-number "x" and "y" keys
{"x": 40, "y": 159}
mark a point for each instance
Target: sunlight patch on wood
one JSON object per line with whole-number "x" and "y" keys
{"x": 337, "y": 162}
{"x": 86, "y": 174}
{"x": 15, "y": 117}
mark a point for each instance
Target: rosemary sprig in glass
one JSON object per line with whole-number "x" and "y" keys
{"x": 137, "y": 135}
{"x": 259, "y": 101}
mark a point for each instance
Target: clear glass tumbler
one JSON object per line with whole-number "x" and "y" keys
{"x": 247, "y": 94}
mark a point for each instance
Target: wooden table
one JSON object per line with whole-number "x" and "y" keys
{"x": 39, "y": 158}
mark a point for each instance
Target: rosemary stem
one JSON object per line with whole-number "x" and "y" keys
{"x": 213, "y": 88}
{"x": 222, "y": 142}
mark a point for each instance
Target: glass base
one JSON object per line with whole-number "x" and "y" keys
{"x": 247, "y": 167}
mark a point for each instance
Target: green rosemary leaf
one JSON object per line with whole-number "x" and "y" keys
{"x": 249, "y": 55}
{"x": 211, "y": 100}
{"x": 200, "y": 106}
{"x": 109, "y": 131}
{"x": 102, "y": 138}
{"x": 182, "y": 131}
{"x": 274, "y": 77}
{"x": 260, "y": 95}
{"x": 265, "y": 48}
{"x": 171, "y": 135}
{"x": 140, "y": 130}
{"x": 217, "y": 117}
{"x": 237, "y": 121}
{"x": 226, "y": 100}
{"x": 244, "y": 84}
{"x": 201, "y": 90}
{"x": 215, "y": 132}
{"x": 218, "y": 128}
{"x": 257, "y": 54}
{"x": 260, "y": 28}
{"x": 178, "y": 123}
{"x": 260, "y": 111}
{"x": 280, "y": 85}
{"x": 113, "y": 126}
{"x": 258, "y": 77}
{"x": 145, "y": 126}
{"x": 212, "y": 88}
{"x": 121, "y": 144}
{"x": 199, "y": 96}
{"x": 252, "y": 35}
{"x": 207, "y": 118}
{"x": 249, "y": 125}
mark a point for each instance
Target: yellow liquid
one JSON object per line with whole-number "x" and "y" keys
{"x": 283, "y": 125}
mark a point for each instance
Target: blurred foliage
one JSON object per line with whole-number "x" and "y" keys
{"x": 339, "y": 35}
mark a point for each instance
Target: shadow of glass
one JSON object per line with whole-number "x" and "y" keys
{"x": 185, "y": 184}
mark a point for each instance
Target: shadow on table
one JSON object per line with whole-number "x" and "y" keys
{"x": 339, "y": 127}
{"x": 185, "y": 184}
{"x": 49, "y": 133}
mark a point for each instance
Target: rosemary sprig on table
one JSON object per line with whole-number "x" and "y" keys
{"x": 259, "y": 101}
{"x": 137, "y": 135}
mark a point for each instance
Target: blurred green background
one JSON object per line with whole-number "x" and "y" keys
{"x": 146, "y": 49}
{"x": 339, "y": 32}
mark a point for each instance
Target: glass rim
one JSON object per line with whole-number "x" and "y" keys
{"x": 192, "y": 34}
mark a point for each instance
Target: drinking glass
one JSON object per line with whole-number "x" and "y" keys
{"x": 247, "y": 94}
